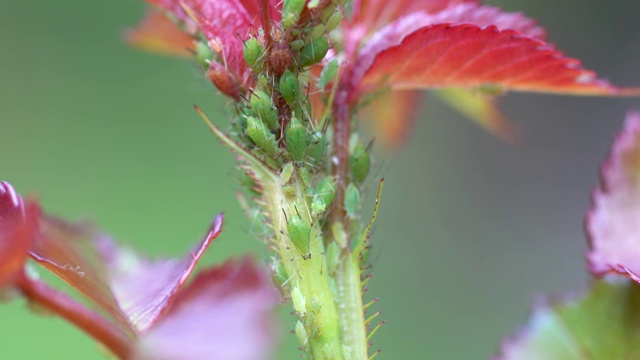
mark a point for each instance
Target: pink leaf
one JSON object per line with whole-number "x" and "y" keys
{"x": 612, "y": 222}
{"x": 224, "y": 314}
{"x": 16, "y": 232}
{"x": 133, "y": 290}
{"x": 157, "y": 33}
{"x": 445, "y": 55}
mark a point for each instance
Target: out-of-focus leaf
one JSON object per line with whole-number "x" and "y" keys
{"x": 134, "y": 290}
{"x": 482, "y": 109}
{"x": 612, "y": 223}
{"x": 158, "y": 34}
{"x": 392, "y": 115}
{"x": 469, "y": 56}
{"x": 17, "y": 228}
{"x": 144, "y": 288}
{"x": 224, "y": 314}
{"x": 603, "y": 325}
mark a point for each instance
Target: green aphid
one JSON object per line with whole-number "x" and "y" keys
{"x": 291, "y": 10}
{"x": 278, "y": 274}
{"x": 328, "y": 73}
{"x": 318, "y": 31}
{"x": 301, "y": 333}
{"x": 263, "y": 107}
{"x": 304, "y": 175}
{"x": 332, "y": 257}
{"x": 359, "y": 162}
{"x": 261, "y": 136}
{"x": 296, "y": 136}
{"x": 300, "y": 233}
{"x": 326, "y": 190}
{"x": 289, "y": 87}
{"x": 314, "y": 51}
{"x": 316, "y": 148}
{"x": 204, "y": 54}
{"x": 352, "y": 200}
{"x": 333, "y": 21}
{"x": 296, "y": 45}
{"x": 253, "y": 53}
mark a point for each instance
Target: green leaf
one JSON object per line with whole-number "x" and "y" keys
{"x": 603, "y": 325}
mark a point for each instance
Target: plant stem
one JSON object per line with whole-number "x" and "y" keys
{"x": 76, "y": 313}
{"x": 354, "y": 332}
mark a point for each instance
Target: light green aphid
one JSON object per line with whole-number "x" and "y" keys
{"x": 328, "y": 73}
{"x": 287, "y": 171}
{"x": 326, "y": 190}
{"x": 299, "y": 234}
{"x": 352, "y": 200}
{"x": 299, "y": 302}
{"x": 301, "y": 333}
{"x": 261, "y": 136}
{"x": 291, "y": 10}
{"x": 332, "y": 257}
{"x": 359, "y": 162}
{"x": 296, "y": 136}
{"x": 253, "y": 53}
{"x": 263, "y": 107}
{"x": 289, "y": 87}
{"x": 318, "y": 31}
{"x": 296, "y": 45}
{"x": 278, "y": 274}
{"x": 316, "y": 149}
{"x": 314, "y": 51}
{"x": 204, "y": 54}
{"x": 304, "y": 176}
{"x": 333, "y": 21}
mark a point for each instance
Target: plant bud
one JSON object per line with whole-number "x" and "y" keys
{"x": 352, "y": 200}
{"x": 263, "y": 107}
{"x": 261, "y": 136}
{"x": 316, "y": 149}
{"x": 299, "y": 233}
{"x": 328, "y": 73}
{"x": 296, "y": 136}
{"x": 359, "y": 163}
{"x": 291, "y": 10}
{"x": 314, "y": 51}
{"x": 224, "y": 80}
{"x": 280, "y": 57}
{"x": 289, "y": 87}
{"x": 253, "y": 52}
{"x": 204, "y": 54}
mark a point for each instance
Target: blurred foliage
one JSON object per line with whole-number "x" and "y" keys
{"x": 470, "y": 228}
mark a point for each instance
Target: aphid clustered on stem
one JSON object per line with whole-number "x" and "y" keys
{"x": 299, "y": 74}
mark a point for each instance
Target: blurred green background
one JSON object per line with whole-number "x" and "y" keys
{"x": 471, "y": 230}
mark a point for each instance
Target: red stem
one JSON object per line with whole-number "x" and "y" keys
{"x": 266, "y": 24}
{"x": 76, "y": 313}
{"x": 341, "y": 133}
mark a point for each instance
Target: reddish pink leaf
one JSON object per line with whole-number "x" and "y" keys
{"x": 445, "y": 55}
{"x": 143, "y": 288}
{"x": 394, "y": 33}
{"x": 16, "y": 232}
{"x": 224, "y": 314}
{"x": 133, "y": 290}
{"x": 157, "y": 33}
{"x": 612, "y": 222}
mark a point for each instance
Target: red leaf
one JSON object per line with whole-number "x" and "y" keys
{"x": 612, "y": 222}
{"x": 16, "y": 232}
{"x": 157, "y": 33}
{"x": 133, "y": 290}
{"x": 445, "y": 55}
{"x": 224, "y": 314}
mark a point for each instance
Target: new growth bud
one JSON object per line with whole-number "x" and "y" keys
{"x": 224, "y": 80}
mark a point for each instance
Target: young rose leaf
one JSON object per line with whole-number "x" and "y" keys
{"x": 17, "y": 229}
{"x": 158, "y": 34}
{"x": 612, "y": 222}
{"x": 224, "y": 314}
{"x": 603, "y": 325}
{"x": 133, "y": 290}
{"x": 469, "y": 56}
